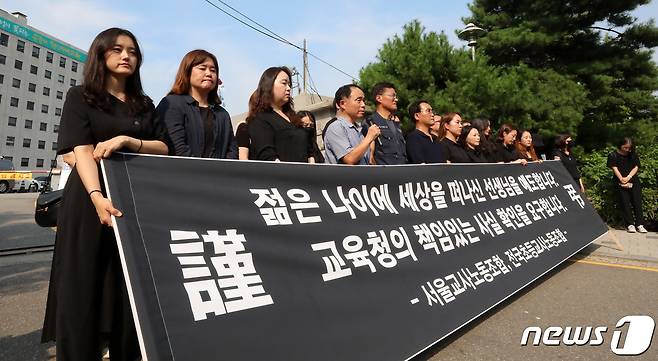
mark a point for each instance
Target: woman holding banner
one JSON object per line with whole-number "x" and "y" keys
{"x": 276, "y": 131}
{"x": 197, "y": 126}
{"x": 88, "y": 303}
{"x": 506, "y": 149}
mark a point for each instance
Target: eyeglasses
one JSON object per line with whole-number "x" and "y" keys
{"x": 393, "y": 96}
{"x": 428, "y": 111}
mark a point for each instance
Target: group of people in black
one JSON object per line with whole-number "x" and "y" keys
{"x": 88, "y": 306}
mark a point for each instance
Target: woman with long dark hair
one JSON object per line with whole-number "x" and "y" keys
{"x": 449, "y": 130}
{"x": 197, "y": 125}
{"x": 308, "y": 122}
{"x": 470, "y": 141}
{"x": 275, "y": 131}
{"x": 487, "y": 146}
{"x": 505, "y": 145}
{"x": 625, "y": 164}
{"x": 524, "y": 146}
{"x": 87, "y": 297}
{"x": 563, "y": 153}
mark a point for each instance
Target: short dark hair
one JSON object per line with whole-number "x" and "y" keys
{"x": 626, "y": 140}
{"x": 344, "y": 92}
{"x": 414, "y": 108}
{"x": 378, "y": 89}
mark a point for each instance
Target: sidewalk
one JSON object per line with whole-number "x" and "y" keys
{"x": 641, "y": 247}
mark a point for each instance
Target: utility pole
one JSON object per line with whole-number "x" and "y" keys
{"x": 305, "y": 66}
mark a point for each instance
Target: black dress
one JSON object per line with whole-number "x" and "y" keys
{"x": 454, "y": 152}
{"x": 476, "y": 156}
{"x": 242, "y": 135}
{"x": 506, "y": 153}
{"x": 273, "y": 137}
{"x": 87, "y": 296}
{"x": 569, "y": 161}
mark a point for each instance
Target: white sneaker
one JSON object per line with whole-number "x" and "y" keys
{"x": 641, "y": 229}
{"x": 631, "y": 229}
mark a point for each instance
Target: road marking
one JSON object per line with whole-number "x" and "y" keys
{"x": 414, "y": 301}
{"x": 650, "y": 269}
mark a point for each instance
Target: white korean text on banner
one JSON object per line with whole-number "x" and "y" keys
{"x": 230, "y": 260}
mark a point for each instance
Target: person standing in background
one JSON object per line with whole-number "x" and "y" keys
{"x": 625, "y": 164}
{"x": 421, "y": 147}
{"x": 563, "y": 153}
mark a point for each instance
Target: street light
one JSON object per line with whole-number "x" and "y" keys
{"x": 470, "y": 33}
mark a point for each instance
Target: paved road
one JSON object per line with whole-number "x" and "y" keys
{"x": 17, "y": 227}
{"x": 575, "y": 294}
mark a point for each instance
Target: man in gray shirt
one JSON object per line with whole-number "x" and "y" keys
{"x": 344, "y": 143}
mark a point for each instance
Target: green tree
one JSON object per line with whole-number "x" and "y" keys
{"x": 597, "y": 43}
{"x": 423, "y": 65}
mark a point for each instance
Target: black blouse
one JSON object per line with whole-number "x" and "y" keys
{"x": 569, "y": 161}
{"x": 208, "y": 131}
{"x": 453, "y": 152}
{"x": 476, "y": 156}
{"x": 506, "y": 153}
{"x": 624, "y": 163}
{"x": 273, "y": 137}
{"x": 242, "y": 135}
{"x": 83, "y": 124}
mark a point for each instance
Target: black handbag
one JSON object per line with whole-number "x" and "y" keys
{"x": 47, "y": 207}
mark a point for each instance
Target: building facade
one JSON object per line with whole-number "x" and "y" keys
{"x": 36, "y": 71}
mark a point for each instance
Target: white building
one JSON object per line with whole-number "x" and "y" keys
{"x": 36, "y": 71}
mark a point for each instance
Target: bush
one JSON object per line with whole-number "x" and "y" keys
{"x": 597, "y": 178}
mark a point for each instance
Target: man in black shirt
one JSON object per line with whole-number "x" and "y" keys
{"x": 390, "y": 146}
{"x": 421, "y": 147}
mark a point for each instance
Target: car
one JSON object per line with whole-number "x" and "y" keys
{"x": 23, "y": 185}
{"x": 41, "y": 183}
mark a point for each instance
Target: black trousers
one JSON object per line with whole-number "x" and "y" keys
{"x": 631, "y": 203}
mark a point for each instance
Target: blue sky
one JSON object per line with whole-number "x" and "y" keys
{"x": 347, "y": 34}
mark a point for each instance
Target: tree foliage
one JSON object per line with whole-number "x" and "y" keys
{"x": 423, "y": 65}
{"x": 597, "y": 43}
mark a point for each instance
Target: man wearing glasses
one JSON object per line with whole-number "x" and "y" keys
{"x": 390, "y": 147}
{"x": 421, "y": 147}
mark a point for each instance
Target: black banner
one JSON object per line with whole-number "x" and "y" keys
{"x": 260, "y": 260}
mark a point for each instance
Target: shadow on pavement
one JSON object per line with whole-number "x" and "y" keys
{"x": 26, "y": 344}
{"x": 22, "y": 278}
{"x": 433, "y": 350}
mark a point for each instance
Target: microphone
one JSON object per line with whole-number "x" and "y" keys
{"x": 370, "y": 123}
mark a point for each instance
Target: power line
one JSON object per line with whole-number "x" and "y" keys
{"x": 261, "y": 26}
{"x": 248, "y": 25}
{"x": 271, "y": 34}
{"x": 312, "y": 84}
